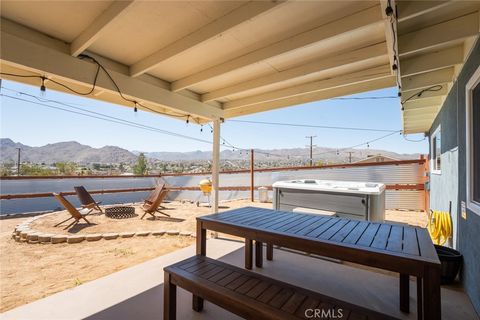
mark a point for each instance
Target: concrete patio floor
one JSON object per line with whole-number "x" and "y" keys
{"x": 137, "y": 292}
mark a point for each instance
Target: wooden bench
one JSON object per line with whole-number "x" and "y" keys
{"x": 250, "y": 295}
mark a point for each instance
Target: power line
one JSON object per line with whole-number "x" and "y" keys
{"x": 104, "y": 117}
{"x": 226, "y": 143}
{"x": 360, "y": 144}
{"x": 310, "y": 126}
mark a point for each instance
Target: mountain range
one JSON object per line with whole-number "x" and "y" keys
{"x": 64, "y": 152}
{"x": 79, "y": 153}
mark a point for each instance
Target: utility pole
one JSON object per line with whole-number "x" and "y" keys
{"x": 18, "y": 162}
{"x": 350, "y": 156}
{"x": 252, "y": 175}
{"x": 311, "y": 148}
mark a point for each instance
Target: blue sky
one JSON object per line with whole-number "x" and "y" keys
{"x": 37, "y": 125}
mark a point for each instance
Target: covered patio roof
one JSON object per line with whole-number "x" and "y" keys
{"x": 222, "y": 59}
{"x": 206, "y": 59}
{"x": 434, "y": 40}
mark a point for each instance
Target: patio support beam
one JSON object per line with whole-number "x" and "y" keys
{"x": 232, "y": 19}
{"x": 358, "y": 59}
{"x": 355, "y": 25}
{"x": 428, "y": 79}
{"x": 432, "y": 61}
{"x": 19, "y": 52}
{"x": 439, "y": 34}
{"x": 98, "y": 27}
{"x": 350, "y": 78}
{"x": 215, "y": 164}
{"x": 314, "y": 96}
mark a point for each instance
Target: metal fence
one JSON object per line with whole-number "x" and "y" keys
{"x": 404, "y": 180}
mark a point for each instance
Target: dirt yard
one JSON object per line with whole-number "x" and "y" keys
{"x": 182, "y": 218}
{"x": 31, "y": 271}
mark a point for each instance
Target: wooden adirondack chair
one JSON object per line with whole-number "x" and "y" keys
{"x": 75, "y": 214}
{"x": 155, "y": 205}
{"x": 86, "y": 199}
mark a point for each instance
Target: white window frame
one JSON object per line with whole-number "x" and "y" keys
{"x": 471, "y": 84}
{"x": 432, "y": 160}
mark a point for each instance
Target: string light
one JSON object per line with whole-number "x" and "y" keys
{"x": 43, "y": 89}
{"x": 94, "y": 84}
{"x": 311, "y": 126}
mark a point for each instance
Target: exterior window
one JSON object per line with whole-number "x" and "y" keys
{"x": 473, "y": 142}
{"x": 436, "y": 151}
{"x": 476, "y": 144}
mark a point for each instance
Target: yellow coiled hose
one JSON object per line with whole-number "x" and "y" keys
{"x": 439, "y": 226}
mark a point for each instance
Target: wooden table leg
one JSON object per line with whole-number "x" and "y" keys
{"x": 248, "y": 253}
{"x": 432, "y": 307}
{"x": 258, "y": 254}
{"x": 269, "y": 251}
{"x": 419, "y": 298}
{"x": 169, "y": 298}
{"x": 404, "y": 292}
{"x": 201, "y": 239}
{"x": 197, "y": 302}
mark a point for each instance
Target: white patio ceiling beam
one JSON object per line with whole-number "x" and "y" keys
{"x": 433, "y": 61}
{"x": 431, "y": 112}
{"x": 314, "y": 96}
{"x": 424, "y": 80}
{"x": 343, "y": 80}
{"x": 367, "y": 57}
{"x": 421, "y": 124}
{"x": 423, "y": 103}
{"x": 439, "y": 34}
{"x": 98, "y": 27}
{"x": 419, "y": 128}
{"x": 234, "y": 18}
{"x": 407, "y": 10}
{"x": 353, "y": 25}
{"x": 48, "y": 59}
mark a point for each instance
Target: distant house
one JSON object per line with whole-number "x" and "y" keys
{"x": 376, "y": 158}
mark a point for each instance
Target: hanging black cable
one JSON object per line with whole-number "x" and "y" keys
{"x": 112, "y": 80}
{"x": 434, "y": 88}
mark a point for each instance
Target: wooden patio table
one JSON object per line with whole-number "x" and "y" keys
{"x": 398, "y": 248}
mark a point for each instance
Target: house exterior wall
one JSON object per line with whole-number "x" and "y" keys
{"x": 452, "y": 119}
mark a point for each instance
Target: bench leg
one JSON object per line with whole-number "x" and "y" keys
{"x": 419, "y": 298}
{"x": 248, "y": 253}
{"x": 169, "y": 299}
{"x": 258, "y": 254}
{"x": 404, "y": 292}
{"x": 197, "y": 302}
{"x": 269, "y": 251}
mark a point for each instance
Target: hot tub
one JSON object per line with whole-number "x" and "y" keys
{"x": 353, "y": 200}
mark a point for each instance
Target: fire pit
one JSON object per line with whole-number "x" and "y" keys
{"x": 120, "y": 212}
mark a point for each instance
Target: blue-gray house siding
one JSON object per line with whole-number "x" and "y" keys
{"x": 452, "y": 119}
